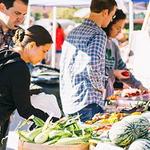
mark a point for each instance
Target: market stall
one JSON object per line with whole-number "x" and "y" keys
{"x": 115, "y": 131}
{"x": 125, "y": 125}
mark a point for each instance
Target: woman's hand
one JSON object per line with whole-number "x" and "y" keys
{"x": 122, "y": 74}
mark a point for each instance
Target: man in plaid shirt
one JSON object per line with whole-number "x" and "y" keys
{"x": 12, "y": 13}
{"x": 82, "y": 66}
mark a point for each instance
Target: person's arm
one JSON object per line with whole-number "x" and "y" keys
{"x": 20, "y": 82}
{"x": 131, "y": 81}
{"x": 96, "y": 67}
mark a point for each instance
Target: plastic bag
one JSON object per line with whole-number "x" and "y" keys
{"x": 47, "y": 103}
{"x": 107, "y": 146}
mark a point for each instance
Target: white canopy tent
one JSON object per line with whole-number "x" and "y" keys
{"x": 55, "y": 4}
{"x": 73, "y": 3}
{"x": 131, "y": 12}
{"x": 59, "y": 3}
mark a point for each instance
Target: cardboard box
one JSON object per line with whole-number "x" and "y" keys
{"x": 31, "y": 146}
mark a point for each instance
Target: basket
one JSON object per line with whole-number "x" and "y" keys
{"x": 32, "y": 146}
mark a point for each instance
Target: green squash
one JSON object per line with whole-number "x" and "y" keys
{"x": 123, "y": 133}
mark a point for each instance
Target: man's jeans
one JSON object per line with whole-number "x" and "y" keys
{"x": 88, "y": 112}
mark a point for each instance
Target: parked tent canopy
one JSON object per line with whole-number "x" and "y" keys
{"x": 76, "y": 3}
{"x": 59, "y": 3}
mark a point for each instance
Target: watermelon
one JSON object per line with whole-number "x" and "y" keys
{"x": 129, "y": 129}
{"x": 140, "y": 144}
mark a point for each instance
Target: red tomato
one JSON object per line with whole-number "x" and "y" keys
{"x": 125, "y": 73}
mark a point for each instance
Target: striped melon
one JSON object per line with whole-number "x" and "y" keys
{"x": 147, "y": 136}
{"x": 123, "y": 133}
{"x": 140, "y": 144}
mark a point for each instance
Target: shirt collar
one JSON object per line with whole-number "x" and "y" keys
{"x": 9, "y": 32}
{"x": 91, "y": 23}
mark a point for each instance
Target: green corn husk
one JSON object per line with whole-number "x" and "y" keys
{"x": 53, "y": 141}
{"x": 73, "y": 140}
{"x": 23, "y": 135}
{"x": 38, "y": 122}
{"x": 32, "y": 134}
{"x": 59, "y": 133}
{"x": 42, "y": 137}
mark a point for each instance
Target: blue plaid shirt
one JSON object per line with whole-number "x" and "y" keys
{"x": 82, "y": 67}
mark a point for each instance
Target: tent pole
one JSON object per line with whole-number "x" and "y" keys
{"x": 54, "y": 38}
{"x": 146, "y": 17}
{"x": 131, "y": 22}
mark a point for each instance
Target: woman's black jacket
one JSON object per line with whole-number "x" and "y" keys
{"x": 14, "y": 87}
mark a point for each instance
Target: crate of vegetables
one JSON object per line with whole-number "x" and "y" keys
{"x": 31, "y": 146}
{"x": 65, "y": 134}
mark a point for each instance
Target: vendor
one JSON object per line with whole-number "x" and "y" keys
{"x": 31, "y": 46}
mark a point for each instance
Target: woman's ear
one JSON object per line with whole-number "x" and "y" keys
{"x": 31, "y": 45}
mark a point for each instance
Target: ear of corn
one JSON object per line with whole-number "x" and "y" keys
{"x": 32, "y": 134}
{"x": 73, "y": 140}
{"x": 64, "y": 131}
{"x": 47, "y": 123}
{"x": 23, "y": 135}
{"x": 38, "y": 122}
{"x": 42, "y": 137}
{"x": 53, "y": 141}
{"x": 59, "y": 133}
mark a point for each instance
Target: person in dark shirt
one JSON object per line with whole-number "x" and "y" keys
{"x": 12, "y": 14}
{"x": 31, "y": 46}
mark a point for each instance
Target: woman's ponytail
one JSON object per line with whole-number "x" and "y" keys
{"x": 19, "y": 36}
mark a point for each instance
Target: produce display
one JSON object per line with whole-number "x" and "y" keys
{"x": 120, "y": 129}
{"x": 126, "y": 128}
{"x": 128, "y": 101}
{"x": 140, "y": 144}
{"x": 129, "y": 94}
{"x": 65, "y": 131}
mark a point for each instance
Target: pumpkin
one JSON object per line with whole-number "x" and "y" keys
{"x": 140, "y": 144}
{"x": 129, "y": 129}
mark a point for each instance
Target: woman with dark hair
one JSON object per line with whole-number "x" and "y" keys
{"x": 31, "y": 46}
{"x": 115, "y": 67}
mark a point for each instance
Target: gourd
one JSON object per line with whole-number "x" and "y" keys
{"x": 123, "y": 133}
{"x": 147, "y": 136}
{"x": 140, "y": 144}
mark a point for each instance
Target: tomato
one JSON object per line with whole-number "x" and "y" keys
{"x": 125, "y": 73}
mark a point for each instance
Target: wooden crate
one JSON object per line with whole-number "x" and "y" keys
{"x": 31, "y": 146}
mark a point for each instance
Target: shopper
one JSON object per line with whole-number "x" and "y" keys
{"x": 114, "y": 62}
{"x": 82, "y": 66}
{"x": 60, "y": 37}
{"x": 12, "y": 13}
{"x": 31, "y": 47}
